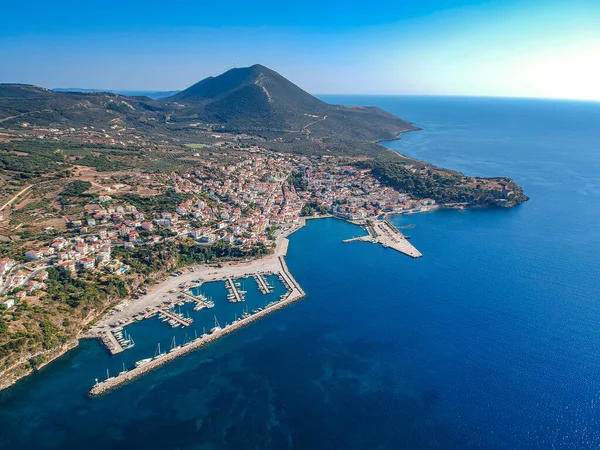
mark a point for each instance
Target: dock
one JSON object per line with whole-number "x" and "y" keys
{"x": 111, "y": 343}
{"x": 238, "y": 297}
{"x": 384, "y": 233}
{"x": 177, "y": 319}
{"x": 262, "y": 284}
{"x": 195, "y": 299}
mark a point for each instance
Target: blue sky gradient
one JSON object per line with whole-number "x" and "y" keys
{"x": 441, "y": 47}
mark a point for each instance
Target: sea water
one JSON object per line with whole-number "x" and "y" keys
{"x": 491, "y": 340}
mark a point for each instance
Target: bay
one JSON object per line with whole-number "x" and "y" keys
{"x": 491, "y": 340}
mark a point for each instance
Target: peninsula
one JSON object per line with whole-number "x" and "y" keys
{"x": 104, "y": 195}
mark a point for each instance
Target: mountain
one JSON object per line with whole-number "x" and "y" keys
{"x": 255, "y": 100}
{"x": 258, "y": 99}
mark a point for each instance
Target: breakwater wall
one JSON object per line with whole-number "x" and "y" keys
{"x": 295, "y": 294}
{"x": 113, "y": 383}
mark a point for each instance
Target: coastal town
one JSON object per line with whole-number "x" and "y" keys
{"x": 241, "y": 204}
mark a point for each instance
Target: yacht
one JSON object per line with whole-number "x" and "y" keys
{"x": 143, "y": 362}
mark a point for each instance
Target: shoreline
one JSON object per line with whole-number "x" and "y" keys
{"x": 274, "y": 262}
{"x": 271, "y": 260}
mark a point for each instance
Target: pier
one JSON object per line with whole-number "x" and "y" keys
{"x": 111, "y": 343}
{"x": 175, "y": 318}
{"x": 262, "y": 284}
{"x": 197, "y": 300}
{"x": 384, "y": 233}
{"x": 238, "y": 297}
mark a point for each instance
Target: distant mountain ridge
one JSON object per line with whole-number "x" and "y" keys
{"x": 130, "y": 93}
{"x": 252, "y": 100}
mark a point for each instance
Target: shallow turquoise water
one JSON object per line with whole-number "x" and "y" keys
{"x": 491, "y": 340}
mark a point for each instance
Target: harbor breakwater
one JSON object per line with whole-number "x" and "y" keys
{"x": 295, "y": 293}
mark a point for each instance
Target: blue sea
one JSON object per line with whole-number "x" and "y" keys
{"x": 491, "y": 340}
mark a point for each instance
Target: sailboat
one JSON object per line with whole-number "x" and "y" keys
{"x": 246, "y": 313}
{"x": 217, "y": 327}
{"x": 158, "y": 353}
{"x": 124, "y": 371}
{"x": 174, "y": 345}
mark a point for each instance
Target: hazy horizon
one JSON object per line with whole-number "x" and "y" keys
{"x": 331, "y": 94}
{"x": 500, "y": 48}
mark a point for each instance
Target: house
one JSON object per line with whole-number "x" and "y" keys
{"x": 87, "y": 263}
{"x": 207, "y": 239}
{"x": 58, "y": 244}
{"x": 47, "y": 251}
{"x": 82, "y": 248}
{"x": 64, "y": 256}
{"x": 105, "y": 249}
{"x": 33, "y": 286}
{"x": 6, "y": 264}
{"x": 103, "y": 257}
{"x": 68, "y": 265}
{"x": 147, "y": 226}
{"x": 9, "y": 303}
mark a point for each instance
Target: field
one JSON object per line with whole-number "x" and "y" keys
{"x": 196, "y": 145}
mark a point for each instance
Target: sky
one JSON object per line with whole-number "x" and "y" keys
{"x": 513, "y": 48}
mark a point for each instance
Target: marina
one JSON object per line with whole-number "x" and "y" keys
{"x": 242, "y": 292}
{"x": 288, "y": 291}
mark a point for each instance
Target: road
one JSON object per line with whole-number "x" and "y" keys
{"x": 8, "y": 203}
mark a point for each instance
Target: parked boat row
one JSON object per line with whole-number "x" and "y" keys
{"x": 125, "y": 340}
{"x": 234, "y": 295}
